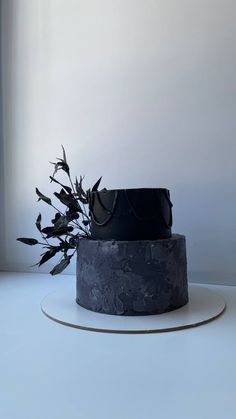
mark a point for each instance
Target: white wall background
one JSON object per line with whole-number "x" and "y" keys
{"x": 141, "y": 92}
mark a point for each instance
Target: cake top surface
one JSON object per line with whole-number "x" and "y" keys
{"x": 132, "y": 189}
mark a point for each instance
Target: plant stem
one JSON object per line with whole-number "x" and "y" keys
{"x": 57, "y": 209}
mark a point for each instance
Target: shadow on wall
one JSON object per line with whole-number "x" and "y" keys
{"x": 6, "y": 31}
{"x": 1, "y": 152}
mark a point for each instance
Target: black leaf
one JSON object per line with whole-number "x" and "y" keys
{"x": 55, "y": 232}
{"x": 47, "y": 230}
{"x": 64, "y": 154}
{"x": 43, "y": 197}
{"x": 78, "y": 186}
{"x": 48, "y": 255}
{"x": 86, "y": 222}
{"x": 63, "y": 220}
{"x": 26, "y": 240}
{"x": 61, "y": 265}
{"x": 73, "y": 242}
{"x": 60, "y": 222}
{"x": 81, "y": 194}
{"x": 72, "y": 215}
{"x": 68, "y": 200}
{"x": 57, "y": 217}
{"x": 38, "y": 222}
{"x": 95, "y": 187}
{"x": 65, "y": 245}
{"x": 67, "y": 188}
{"x": 61, "y": 165}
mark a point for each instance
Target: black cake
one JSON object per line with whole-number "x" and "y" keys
{"x": 133, "y": 264}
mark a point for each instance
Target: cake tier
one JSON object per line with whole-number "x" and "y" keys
{"x": 132, "y": 277}
{"x": 131, "y": 214}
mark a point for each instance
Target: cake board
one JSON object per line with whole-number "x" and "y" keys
{"x": 204, "y": 305}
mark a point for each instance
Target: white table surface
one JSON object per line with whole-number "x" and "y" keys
{"x": 50, "y": 371}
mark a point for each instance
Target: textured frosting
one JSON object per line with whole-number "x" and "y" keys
{"x": 132, "y": 277}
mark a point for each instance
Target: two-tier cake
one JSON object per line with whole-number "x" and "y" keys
{"x": 133, "y": 265}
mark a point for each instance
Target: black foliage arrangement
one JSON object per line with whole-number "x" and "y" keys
{"x": 67, "y": 227}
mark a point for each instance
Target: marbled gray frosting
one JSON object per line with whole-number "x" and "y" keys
{"x": 132, "y": 277}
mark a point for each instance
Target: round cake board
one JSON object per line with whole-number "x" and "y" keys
{"x": 204, "y": 305}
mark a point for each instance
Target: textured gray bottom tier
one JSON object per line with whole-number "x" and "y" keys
{"x": 132, "y": 277}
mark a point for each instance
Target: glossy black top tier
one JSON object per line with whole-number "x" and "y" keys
{"x": 131, "y": 214}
